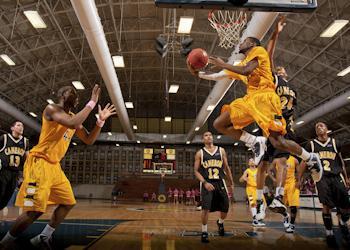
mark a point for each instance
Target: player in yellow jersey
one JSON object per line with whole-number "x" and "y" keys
{"x": 249, "y": 176}
{"x": 262, "y": 105}
{"x": 291, "y": 190}
{"x": 44, "y": 180}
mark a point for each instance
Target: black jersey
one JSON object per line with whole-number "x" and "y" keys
{"x": 212, "y": 167}
{"x": 12, "y": 152}
{"x": 288, "y": 98}
{"x": 329, "y": 155}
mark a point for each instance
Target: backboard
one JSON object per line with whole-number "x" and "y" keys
{"x": 250, "y": 5}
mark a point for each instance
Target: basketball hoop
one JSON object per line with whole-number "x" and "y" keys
{"x": 228, "y": 24}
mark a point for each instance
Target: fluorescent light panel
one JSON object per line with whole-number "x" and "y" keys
{"x": 74, "y": 143}
{"x": 7, "y": 59}
{"x": 173, "y": 89}
{"x": 185, "y": 25}
{"x": 211, "y": 107}
{"x": 334, "y": 28}
{"x": 35, "y": 19}
{"x": 346, "y": 159}
{"x": 129, "y": 105}
{"x": 138, "y": 142}
{"x": 109, "y": 133}
{"x": 78, "y": 85}
{"x": 218, "y": 137}
{"x": 134, "y": 127}
{"x": 236, "y": 143}
{"x": 300, "y": 122}
{"x": 118, "y": 61}
{"x": 162, "y": 146}
{"x": 167, "y": 118}
{"x": 32, "y": 114}
{"x": 197, "y": 128}
{"x": 117, "y": 144}
{"x": 49, "y": 101}
{"x": 255, "y": 130}
{"x": 344, "y": 72}
{"x": 165, "y": 136}
{"x": 188, "y": 142}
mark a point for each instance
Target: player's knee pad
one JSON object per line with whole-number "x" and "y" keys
{"x": 293, "y": 210}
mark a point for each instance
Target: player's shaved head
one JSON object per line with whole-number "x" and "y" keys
{"x": 255, "y": 40}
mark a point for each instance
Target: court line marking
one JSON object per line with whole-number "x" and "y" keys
{"x": 77, "y": 224}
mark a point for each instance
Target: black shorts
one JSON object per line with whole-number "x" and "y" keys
{"x": 273, "y": 153}
{"x": 8, "y": 184}
{"x": 216, "y": 200}
{"x": 332, "y": 192}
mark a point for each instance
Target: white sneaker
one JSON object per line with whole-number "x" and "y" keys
{"x": 290, "y": 229}
{"x": 277, "y": 206}
{"x": 286, "y": 221}
{"x": 315, "y": 167}
{"x": 260, "y": 210}
{"x": 259, "y": 148}
{"x": 41, "y": 241}
{"x": 258, "y": 223}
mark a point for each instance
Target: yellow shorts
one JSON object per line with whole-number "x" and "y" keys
{"x": 44, "y": 183}
{"x": 251, "y": 194}
{"x": 262, "y": 107}
{"x": 291, "y": 195}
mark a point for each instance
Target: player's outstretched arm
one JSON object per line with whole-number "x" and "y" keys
{"x": 242, "y": 70}
{"x": 197, "y": 163}
{"x": 213, "y": 76}
{"x": 90, "y": 138}
{"x": 271, "y": 46}
{"x": 55, "y": 113}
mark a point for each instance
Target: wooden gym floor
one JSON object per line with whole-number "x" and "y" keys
{"x": 136, "y": 225}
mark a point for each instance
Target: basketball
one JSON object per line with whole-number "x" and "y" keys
{"x": 198, "y": 58}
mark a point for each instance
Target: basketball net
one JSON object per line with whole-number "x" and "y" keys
{"x": 228, "y": 24}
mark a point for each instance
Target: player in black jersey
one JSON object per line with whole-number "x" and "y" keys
{"x": 332, "y": 188}
{"x": 13, "y": 150}
{"x": 210, "y": 168}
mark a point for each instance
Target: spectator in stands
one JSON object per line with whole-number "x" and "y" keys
{"x": 145, "y": 196}
{"x": 181, "y": 196}
{"x": 176, "y": 196}
{"x": 154, "y": 197}
{"x": 188, "y": 197}
{"x": 170, "y": 195}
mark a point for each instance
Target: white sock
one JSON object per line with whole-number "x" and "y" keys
{"x": 259, "y": 194}
{"x": 8, "y": 238}
{"x": 221, "y": 221}
{"x": 48, "y": 231}
{"x": 249, "y": 139}
{"x": 204, "y": 228}
{"x": 329, "y": 232}
{"x": 253, "y": 210}
{"x": 277, "y": 193}
{"x": 281, "y": 191}
{"x": 304, "y": 155}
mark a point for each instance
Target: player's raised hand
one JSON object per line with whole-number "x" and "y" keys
{"x": 95, "y": 93}
{"x": 281, "y": 23}
{"x": 209, "y": 186}
{"x": 106, "y": 112}
{"x": 217, "y": 61}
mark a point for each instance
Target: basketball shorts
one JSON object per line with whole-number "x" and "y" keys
{"x": 252, "y": 196}
{"x": 291, "y": 195}
{"x": 8, "y": 184}
{"x": 44, "y": 183}
{"x": 262, "y": 107}
{"x": 272, "y": 153}
{"x": 216, "y": 200}
{"x": 332, "y": 192}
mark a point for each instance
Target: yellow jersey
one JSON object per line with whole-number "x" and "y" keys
{"x": 54, "y": 141}
{"x": 261, "y": 77}
{"x": 251, "y": 180}
{"x": 291, "y": 169}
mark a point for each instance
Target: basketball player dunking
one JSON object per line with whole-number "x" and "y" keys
{"x": 262, "y": 105}
{"x": 13, "y": 151}
{"x": 332, "y": 188}
{"x": 44, "y": 180}
{"x": 210, "y": 168}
